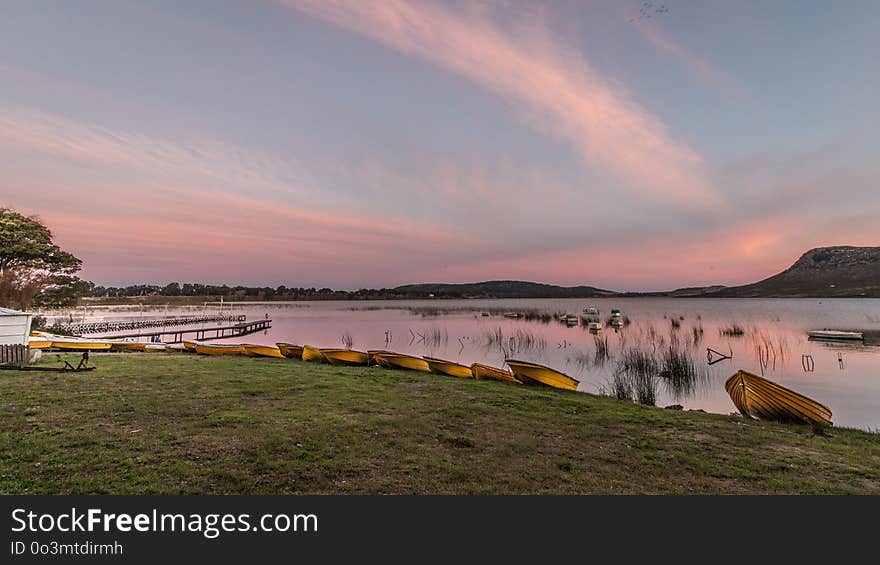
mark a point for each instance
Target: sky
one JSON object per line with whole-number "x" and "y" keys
{"x": 361, "y": 143}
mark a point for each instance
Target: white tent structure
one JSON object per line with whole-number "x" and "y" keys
{"x": 15, "y": 327}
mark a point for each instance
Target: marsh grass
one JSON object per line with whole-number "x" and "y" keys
{"x": 697, "y": 333}
{"x": 432, "y": 337}
{"x": 602, "y": 354}
{"x": 518, "y": 341}
{"x": 732, "y": 330}
{"x": 635, "y": 377}
{"x": 769, "y": 352}
{"x": 680, "y": 373}
{"x": 347, "y": 340}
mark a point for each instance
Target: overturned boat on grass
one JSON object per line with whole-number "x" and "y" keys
{"x": 532, "y": 373}
{"x": 761, "y": 399}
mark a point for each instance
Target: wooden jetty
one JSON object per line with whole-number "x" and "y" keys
{"x": 122, "y": 325}
{"x": 199, "y": 334}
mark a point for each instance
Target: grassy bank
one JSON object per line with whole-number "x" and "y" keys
{"x": 163, "y": 423}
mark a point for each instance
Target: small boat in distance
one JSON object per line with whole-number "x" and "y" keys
{"x": 481, "y": 371}
{"x": 262, "y": 351}
{"x": 513, "y": 315}
{"x": 348, "y": 357}
{"x": 530, "y": 373}
{"x": 594, "y": 326}
{"x": 313, "y": 354}
{"x": 450, "y": 368}
{"x": 401, "y": 361}
{"x": 591, "y": 311}
{"x": 760, "y": 399}
{"x": 290, "y": 350}
{"x": 836, "y": 335}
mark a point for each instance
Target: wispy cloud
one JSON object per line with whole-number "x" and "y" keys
{"x": 149, "y": 207}
{"x": 699, "y": 66}
{"x": 554, "y": 86}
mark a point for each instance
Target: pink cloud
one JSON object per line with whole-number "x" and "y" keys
{"x": 735, "y": 253}
{"x": 554, "y": 87}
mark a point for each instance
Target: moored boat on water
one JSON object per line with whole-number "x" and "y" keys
{"x": 594, "y": 326}
{"x": 255, "y": 350}
{"x": 591, "y": 311}
{"x": 401, "y": 361}
{"x": 834, "y": 335}
{"x": 481, "y": 371}
{"x": 219, "y": 349}
{"x": 531, "y": 373}
{"x": 569, "y": 319}
{"x": 450, "y": 368}
{"x": 313, "y": 354}
{"x": 290, "y": 350}
{"x": 761, "y": 399}
{"x": 349, "y": 357}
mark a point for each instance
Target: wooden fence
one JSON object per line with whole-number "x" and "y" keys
{"x": 17, "y": 355}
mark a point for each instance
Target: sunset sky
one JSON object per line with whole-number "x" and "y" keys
{"x": 367, "y": 144}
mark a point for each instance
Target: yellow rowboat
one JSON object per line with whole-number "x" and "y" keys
{"x": 176, "y": 348}
{"x": 290, "y": 350}
{"x": 73, "y": 344}
{"x": 262, "y": 351}
{"x": 760, "y": 399}
{"x": 219, "y": 349}
{"x": 531, "y": 373}
{"x": 39, "y": 343}
{"x": 313, "y": 354}
{"x": 154, "y": 347}
{"x": 443, "y": 367}
{"x": 346, "y": 357}
{"x": 190, "y": 345}
{"x": 401, "y": 361}
{"x": 481, "y": 371}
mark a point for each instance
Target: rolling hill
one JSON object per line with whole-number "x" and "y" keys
{"x": 501, "y": 289}
{"x": 841, "y": 271}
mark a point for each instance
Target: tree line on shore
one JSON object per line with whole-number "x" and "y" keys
{"x": 281, "y": 292}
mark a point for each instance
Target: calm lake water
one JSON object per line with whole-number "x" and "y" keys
{"x": 844, "y": 376}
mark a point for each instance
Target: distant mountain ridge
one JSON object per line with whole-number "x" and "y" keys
{"x": 839, "y": 271}
{"x": 502, "y": 289}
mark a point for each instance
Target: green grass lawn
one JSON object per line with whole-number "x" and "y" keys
{"x": 173, "y": 423}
